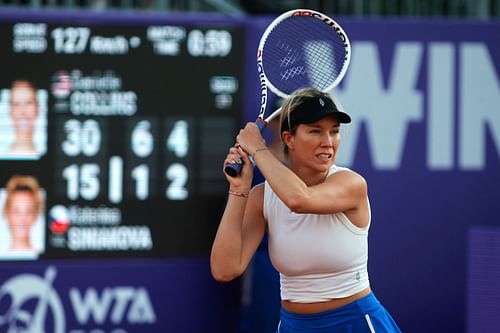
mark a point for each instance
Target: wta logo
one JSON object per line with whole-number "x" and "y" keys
{"x": 30, "y": 303}
{"x": 20, "y": 293}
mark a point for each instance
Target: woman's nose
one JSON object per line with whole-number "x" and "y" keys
{"x": 326, "y": 139}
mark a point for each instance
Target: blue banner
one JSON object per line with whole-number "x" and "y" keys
{"x": 115, "y": 297}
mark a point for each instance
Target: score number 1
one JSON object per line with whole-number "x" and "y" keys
{"x": 176, "y": 174}
{"x": 83, "y": 138}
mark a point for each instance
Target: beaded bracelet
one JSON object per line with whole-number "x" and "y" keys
{"x": 238, "y": 194}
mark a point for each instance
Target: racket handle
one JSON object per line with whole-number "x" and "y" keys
{"x": 234, "y": 169}
{"x": 261, "y": 124}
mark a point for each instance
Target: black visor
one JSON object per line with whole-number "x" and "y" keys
{"x": 313, "y": 109}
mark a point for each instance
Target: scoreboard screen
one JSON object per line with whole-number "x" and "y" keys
{"x": 112, "y": 136}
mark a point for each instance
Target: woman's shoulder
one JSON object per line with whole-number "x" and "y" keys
{"x": 336, "y": 168}
{"x": 349, "y": 175}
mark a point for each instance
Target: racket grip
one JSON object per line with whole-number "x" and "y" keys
{"x": 234, "y": 169}
{"x": 261, "y": 124}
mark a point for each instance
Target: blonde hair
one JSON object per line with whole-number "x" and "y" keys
{"x": 18, "y": 183}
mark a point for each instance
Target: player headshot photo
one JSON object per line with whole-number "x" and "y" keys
{"x": 23, "y": 121}
{"x": 22, "y": 223}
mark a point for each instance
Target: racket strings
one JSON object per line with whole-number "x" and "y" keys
{"x": 302, "y": 52}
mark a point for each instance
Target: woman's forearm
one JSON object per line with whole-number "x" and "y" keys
{"x": 225, "y": 259}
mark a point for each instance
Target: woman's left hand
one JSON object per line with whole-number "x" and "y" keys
{"x": 250, "y": 139}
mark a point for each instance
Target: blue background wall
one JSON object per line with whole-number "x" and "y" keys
{"x": 424, "y": 96}
{"x": 425, "y": 99}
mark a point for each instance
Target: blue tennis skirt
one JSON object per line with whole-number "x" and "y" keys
{"x": 365, "y": 315}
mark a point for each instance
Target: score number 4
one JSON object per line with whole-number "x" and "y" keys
{"x": 84, "y": 138}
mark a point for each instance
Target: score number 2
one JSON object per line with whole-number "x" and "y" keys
{"x": 177, "y": 174}
{"x": 84, "y": 138}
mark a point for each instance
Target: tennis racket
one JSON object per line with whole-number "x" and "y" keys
{"x": 300, "y": 48}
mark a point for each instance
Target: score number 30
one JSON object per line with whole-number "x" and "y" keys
{"x": 83, "y": 138}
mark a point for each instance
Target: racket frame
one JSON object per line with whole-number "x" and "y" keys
{"x": 234, "y": 169}
{"x": 264, "y": 81}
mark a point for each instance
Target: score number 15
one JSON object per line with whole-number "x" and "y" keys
{"x": 83, "y": 181}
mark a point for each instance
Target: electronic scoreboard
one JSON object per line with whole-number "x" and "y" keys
{"x": 129, "y": 125}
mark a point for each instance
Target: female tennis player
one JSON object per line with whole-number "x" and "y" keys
{"x": 317, "y": 215}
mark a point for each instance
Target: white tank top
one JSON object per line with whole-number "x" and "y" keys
{"x": 318, "y": 256}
